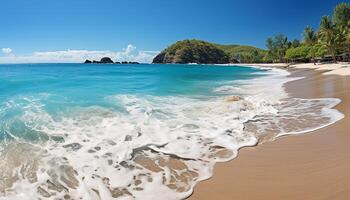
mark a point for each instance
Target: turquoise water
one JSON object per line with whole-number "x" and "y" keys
{"x": 91, "y": 82}
{"x": 104, "y": 132}
{"x": 60, "y": 87}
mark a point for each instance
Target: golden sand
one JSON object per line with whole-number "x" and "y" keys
{"x": 309, "y": 166}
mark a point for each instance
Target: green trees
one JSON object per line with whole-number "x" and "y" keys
{"x": 332, "y": 38}
{"x": 295, "y": 43}
{"x": 341, "y": 15}
{"x": 333, "y": 35}
{"x": 277, "y": 47}
{"x": 341, "y": 20}
{"x": 310, "y": 37}
{"x": 300, "y": 52}
{"x": 329, "y": 36}
{"x": 249, "y": 57}
{"x": 243, "y": 54}
{"x": 317, "y": 50}
{"x": 347, "y": 39}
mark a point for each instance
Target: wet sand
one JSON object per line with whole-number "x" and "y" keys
{"x": 310, "y": 166}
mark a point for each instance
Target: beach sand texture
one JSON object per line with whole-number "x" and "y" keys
{"x": 308, "y": 166}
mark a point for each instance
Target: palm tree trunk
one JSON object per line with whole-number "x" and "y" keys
{"x": 334, "y": 55}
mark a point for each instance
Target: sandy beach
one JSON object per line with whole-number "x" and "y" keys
{"x": 307, "y": 166}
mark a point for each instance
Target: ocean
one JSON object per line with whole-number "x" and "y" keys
{"x": 86, "y": 131}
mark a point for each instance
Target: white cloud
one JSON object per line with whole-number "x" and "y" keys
{"x": 6, "y": 50}
{"x": 72, "y": 56}
{"x": 129, "y": 49}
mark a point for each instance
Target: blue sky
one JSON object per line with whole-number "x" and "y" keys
{"x": 137, "y": 29}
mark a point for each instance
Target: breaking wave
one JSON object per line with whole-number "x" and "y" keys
{"x": 144, "y": 146}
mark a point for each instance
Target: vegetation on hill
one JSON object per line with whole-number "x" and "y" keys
{"x": 192, "y": 51}
{"x": 201, "y": 52}
{"x": 243, "y": 54}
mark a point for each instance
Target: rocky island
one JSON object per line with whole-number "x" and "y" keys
{"x": 202, "y": 52}
{"x": 192, "y": 51}
{"x": 107, "y": 60}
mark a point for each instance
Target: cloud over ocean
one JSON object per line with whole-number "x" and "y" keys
{"x": 130, "y": 53}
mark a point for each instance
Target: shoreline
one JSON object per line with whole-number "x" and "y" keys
{"x": 293, "y": 166}
{"x": 339, "y": 68}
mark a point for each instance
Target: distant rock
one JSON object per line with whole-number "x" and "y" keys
{"x": 106, "y": 60}
{"x": 160, "y": 58}
{"x": 126, "y": 62}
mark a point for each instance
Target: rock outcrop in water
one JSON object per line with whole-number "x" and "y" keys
{"x": 107, "y": 60}
{"x": 233, "y": 98}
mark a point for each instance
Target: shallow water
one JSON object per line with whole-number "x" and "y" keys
{"x": 75, "y": 131}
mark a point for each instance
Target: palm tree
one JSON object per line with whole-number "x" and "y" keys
{"x": 344, "y": 34}
{"x": 284, "y": 45}
{"x": 309, "y": 36}
{"x": 341, "y": 20}
{"x": 277, "y": 47}
{"x": 329, "y": 36}
{"x": 341, "y": 15}
{"x": 347, "y": 38}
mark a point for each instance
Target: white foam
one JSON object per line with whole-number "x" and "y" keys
{"x": 101, "y": 145}
{"x": 327, "y": 113}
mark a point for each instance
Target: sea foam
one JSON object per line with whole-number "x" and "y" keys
{"x": 151, "y": 147}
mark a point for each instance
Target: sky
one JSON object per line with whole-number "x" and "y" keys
{"x": 136, "y": 30}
